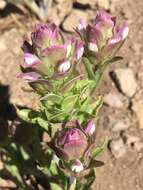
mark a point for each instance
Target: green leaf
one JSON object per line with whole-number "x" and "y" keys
{"x": 98, "y": 150}
{"x": 43, "y": 123}
{"x": 55, "y": 186}
{"x": 68, "y": 103}
{"x": 52, "y": 97}
{"x": 88, "y": 67}
{"x": 23, "y": 114}
{"x": 97, "y": 105}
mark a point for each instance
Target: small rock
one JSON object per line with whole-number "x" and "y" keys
{"x": 103, "y": 4}
{"x": 118, "y": 148}
{"x": 113, "y": 100}
{"x": 73, "y": 19}
{"x": 138, "y": 146}
{"x": 3, "y": 46}
{"x": 121, "y": 126}
{"x": 125, "y": 81}
{"x": 138, "y": 109}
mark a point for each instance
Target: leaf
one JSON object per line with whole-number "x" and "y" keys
{"x": 88, "y": 67}
{"x": 98, "y": 150}
{"x": 97, "y": 105}
{"x": 95, "y": 163}
{"x": 55, "y": 186}
{"x": 114, "y": 59}
{"x": 23, "y": 114}
{"x": 43, "y": 123}
{"x": 68, "y": 103}
{"x": 52, "y": 97}
{"x": 73, "y": 185}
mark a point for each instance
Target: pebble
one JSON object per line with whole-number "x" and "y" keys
{"x": 113, "y": 100}
{"x": 125, "y": 81}
{"x": 3, "y": 46}
{"x": 137, "y": 107}
{"x": 118, "y": 148}
{"x": 103, "y": 4}
{"x": 121, "y": 126}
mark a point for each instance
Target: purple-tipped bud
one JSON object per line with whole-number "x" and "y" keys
{"x": 72, "y": 143}
{"x": 29, "y": 77}
{"x": 30, "y": 60}
{"x": 90, "y": 129}
{"x": 77, "y": 166}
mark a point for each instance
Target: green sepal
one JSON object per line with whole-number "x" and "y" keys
{"x": 88, "y": 67}
{"x": 98, "y": 150}
{"x": 55, "y": 186}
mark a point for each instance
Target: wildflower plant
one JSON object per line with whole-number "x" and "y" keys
{"x": 64, "y": 73}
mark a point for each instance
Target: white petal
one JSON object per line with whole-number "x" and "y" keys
{"x": 93, "y": 47}
{"x": 77, "y": 168}
{"x": 64, "y": 66}
{"x": 80, "y": 53}
{"x": 125, "y": 32}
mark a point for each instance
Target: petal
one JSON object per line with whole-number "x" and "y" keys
{"x": 30, "y": 60}
{"x": 90, "y": 129}
{"x": 27, "y": 47}
{"x": 77, "y": 166}
{"x": 92, "y": 47}
{"x": 79, "y": 50}
{"x": 55, "y": 52}
{"x": 75, "y": 148}
{"x": 120, "y": 35}
{"x": 82, "y": 25}
{"x": 64, "y": 66}
{"x": 29, "y": 77}
{"x": 103, "y": 16}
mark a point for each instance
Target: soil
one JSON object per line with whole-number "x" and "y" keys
{"x": 123, "y": 168}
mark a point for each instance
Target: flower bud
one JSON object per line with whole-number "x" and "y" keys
{"x": 90, "y": 129}
{"x": 77, "y": 166}
{"x": 45, "y": 35}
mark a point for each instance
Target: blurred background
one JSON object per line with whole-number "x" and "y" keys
{"x": 121, "y": 119}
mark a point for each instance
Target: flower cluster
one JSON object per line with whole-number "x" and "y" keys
{"x": 51, "y": 63}
{"x": 102, "y": 37}
{"x": 49, "y": 56}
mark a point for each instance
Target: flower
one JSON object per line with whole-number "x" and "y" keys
{"x": 73, "y": 142}
{"x": 49, "y": 55}
{"x": 102, "y": 38}
{"x": 77, "y": 166}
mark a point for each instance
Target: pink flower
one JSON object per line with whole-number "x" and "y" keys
{"x": 72, "y": 143}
